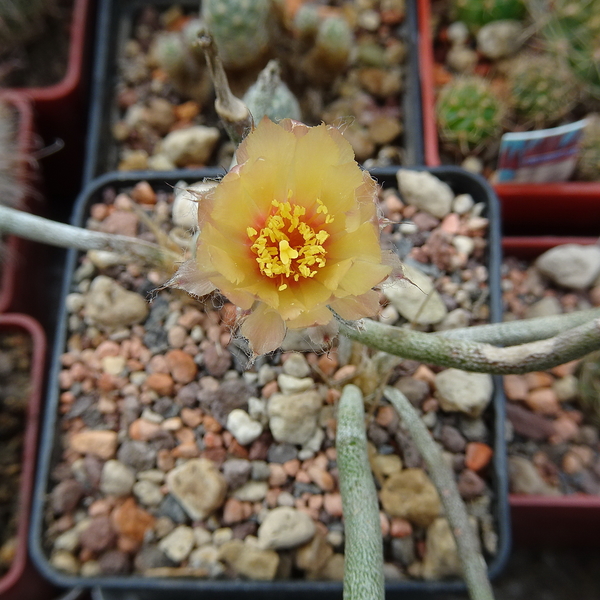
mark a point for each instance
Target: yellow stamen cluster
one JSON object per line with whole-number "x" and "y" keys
{"x": 287, "y": 246}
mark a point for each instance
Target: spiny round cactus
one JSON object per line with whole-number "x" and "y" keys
{"x": 469, "y": 113}
{"x": 588, "y": 165}
{"x": 334, "y": 41}
{"x": 543, "y": 89}
{"x": 572, "y": 31}
{"x": 240, "y": 29}
{"x": 271, "y": 97}
{"x": 178, "y": 54}
{"x": 20, "y": 20}
{"x": 476, "y": 13}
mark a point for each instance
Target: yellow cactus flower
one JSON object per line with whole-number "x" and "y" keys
{"x": 290, "y": 230}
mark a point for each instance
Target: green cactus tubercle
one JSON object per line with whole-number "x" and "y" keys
{"x": 468, "y": 113}
{"x": 239, "y": 29}
{"x": 476, "y": 13}
{"x": 543, "y": 89}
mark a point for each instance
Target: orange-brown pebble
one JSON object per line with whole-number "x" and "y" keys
{"x": 328, "y": 363}
{"x": 538, "y": 379}
{"x": 515, "y": 387}
{"x": 191, "y": 417}
{"x": 237, "y": 450}
{"x": 229, "y": 314}
{"x": 128, "y": 544}
{"x": 143, "y": 193}
{"x": 386, "y": 415}
{"x": 424, "y": 373}
{"x": 430, "y": 405}
{"x": 100, "y": 507}
{"x": 211, "y": 424}
{"x": 181, "y": 365}
{"x": 102, "y": 443}
{"x": 164, "y": 461}
{"x": 272, "y": 496}
{"x": 187, "y": 111}
{"x": 143, "y": 430}
{"x": 292, "y": 467}
{"x": 400, "y": 527}
{"x": 99, "y": 211}
{"x": 543, "y": 401}
{"x": 185, "y": 435}
{"x": 212, "y": 440}
{"x": 268, "y": 389}
{"x": 451, "y": 223}
{"x": 565, "y": 429}
{"x": 302, "y": 477}
{"x": 345, "y": 372}
{"x": 186, "y": 450}
{"x": 477, "y": 455}
{"x": 107, "y": 348}
{"x": 131, "y": 520}
{"x": 234, "y": 511}
{"x": 332, "y": 503}
{"x": 315, "y": 502}
{"x": 565, "y": 369}
{"x": 277, "y": 475}
{"x": 321, "y": 477}
{"x": 333, "y": 395}
{"x": 385, "y": 524}
{"x": 161, "y": 383}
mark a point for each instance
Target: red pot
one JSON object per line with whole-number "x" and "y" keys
{"x": 521, "y": 203}
{"x": 22, "y": 580}
{"x": 16, "y": 248}
{"x": 572, "y": 520}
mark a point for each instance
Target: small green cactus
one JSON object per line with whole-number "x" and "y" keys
{"x": 271, "y": 97}
{"x": 469, "y": 113}
{"x": 240, "y": 29}
{"x": 572, "y": 31}
{"x": 543, "y": 89}
{"x": 476, "y": 13}
{"x": 588, "y": 165}
{"x": 20, "y": 20}
{"x": 179, "y": 55}
{"x": 334, "y": 41}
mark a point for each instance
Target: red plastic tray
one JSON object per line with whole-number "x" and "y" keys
{"x": 22, "y": 581}
{"x": 15, "y": 247}
{"x": 572, "y": 520}
{"x": 571, "y": 208}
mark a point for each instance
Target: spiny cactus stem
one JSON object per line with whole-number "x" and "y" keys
{"x": 233, "y": 112}
{"x": 38, "y": 229}
{"x": 474, "y": 356}
{"x": 363, "y": 572}
{"x": 472, "y": 561}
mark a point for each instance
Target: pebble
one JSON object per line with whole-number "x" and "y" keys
{"x": 191, "y": 146}
{"x": 285, "y": 527}
{"x": 198, "y": 486}
{"x": 296, "y": 366}
{"x": 243, "y": 427}
{"x": 410, "y": 495}
{"x": 249, "y": 561}
{"x": 147, "y": 493}
{"x": 570, "y": 265}
{"x": 117, "y": 479}
{"x": 460, "y": 391}
{"x": 178, "y": 544}
{"x": 101, "y": 443}
{"x": 293, "y": 417}
{"x": 425, "y": 191}
{"x": 499, "y": 39}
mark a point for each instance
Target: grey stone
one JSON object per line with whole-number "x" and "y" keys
{"x": 109, "y": 306}
{"x": 236, "y": 471}
{"x": 243, "y": 427}
{"x": 525, "y": 478}
{"x": 461, "y": 391}
{"x": 500, "y": 39}
{"x": 178, "y": 544}
{"x": 117, "y": 479}
{"x": 571, "y": 265}
{"x": 285, "y": 527}
{"x": 190, "y": 146}
{"x": 419, "y": 303}
{"x": 293, "y": 417}
{"x": 198, "y": 486}
{"x": 425, "y": 191}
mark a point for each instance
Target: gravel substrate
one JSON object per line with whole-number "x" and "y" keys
{"x": 178, "y": 460}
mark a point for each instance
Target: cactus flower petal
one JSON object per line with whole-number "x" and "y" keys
{"x": 292, "y": 229}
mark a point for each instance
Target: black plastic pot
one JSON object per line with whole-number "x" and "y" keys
{"x": 114, "y": 27}
{"x": 145, "y": 588}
